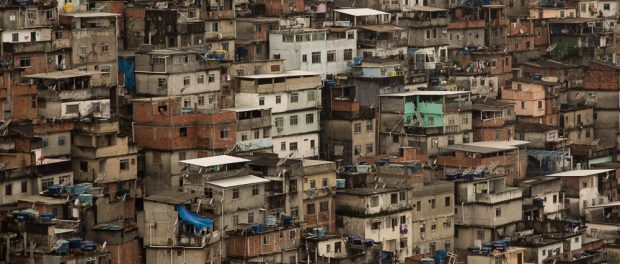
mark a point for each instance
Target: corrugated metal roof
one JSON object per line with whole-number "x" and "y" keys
{"x": 214, "y": 161}
{"x": 238, "y": 181}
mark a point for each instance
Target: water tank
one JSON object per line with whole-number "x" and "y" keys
{"x": 75, "y": 242}
{"x": 341, "y": 183}
{"x": 357, "y": 60}
{"x": 270, "y": 220}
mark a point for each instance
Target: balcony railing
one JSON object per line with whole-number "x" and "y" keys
{"x": 217, "y": 15}
{"x": 492, "y": 198}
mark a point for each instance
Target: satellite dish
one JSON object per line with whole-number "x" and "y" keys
{"x": 552, "y": 46}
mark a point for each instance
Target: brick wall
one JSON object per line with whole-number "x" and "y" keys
{"x": 602, "y": 77}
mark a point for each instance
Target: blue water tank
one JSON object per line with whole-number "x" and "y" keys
{"x": 319, "y": 232}
{"x": 88, "y": 245}
{"x": 270, "y": 220}
{"x": 355, "y": 240}
{"x": 341, "y": 183}
{"x": 75, "y": 242}
{"x": 538, "y": 202}
{"x": 414, "y": 169}
{"x": 287, "y": 220}
{"x": 46, "y": 217}
{"x": 369, "y": 242}
{"x": 63, "y": 249}
{"x": 54, "y": 190}
{"x": 357, "y": 60}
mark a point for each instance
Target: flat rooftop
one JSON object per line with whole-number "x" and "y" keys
{"x": 579, "y": 173}
{"x": 238, "y": 181}
{"x": 58, "y": 75}
{"x": 428, "y": 93}
{"x": 361, "y": 12}
{"x": 280, "y": 75}
{"x": 91, "y": 14}
{"x": 367, "y": 191}
{"x": 41, "y": 199}
{"x": 424, "y": 9}
{"x": 382, "y": 28}
{"x": 172, "y": 197}
{"x": 214, "y": 161}
{"x": 244, "y": 109}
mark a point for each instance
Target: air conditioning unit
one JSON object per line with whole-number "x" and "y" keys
{"x": 280, "y": 129}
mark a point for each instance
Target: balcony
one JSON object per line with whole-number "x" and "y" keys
{"x": 385, "y": 44}
{"x": 424, "y": 130}
{"x": 217, "y": 15}
{"x": 492, "y": 122}
{"x": 465, "y": 24}
{"x": 588, "y": 257}
{"x": 74, "y": 95}
{"x": 253, "y": 123}
{"x": 498, "y": 197}
{"x": 61, "y": 44}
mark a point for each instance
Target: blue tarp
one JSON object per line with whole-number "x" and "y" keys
{"x": 127, "y": 66}
{"x": 193, "y": 219}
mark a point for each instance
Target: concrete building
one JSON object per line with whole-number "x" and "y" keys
{"x": 536, "y": 101}
{"x": 489, "y": 210}
{"x": 591, "y": 38}
{"x": 183, "y": 73}
{"x": 326, "y": 51}
{"x": 428, "y": 30}
{"x": 166, "y": 237}
{"x": 167, "y": 133}
{"x": 505, "y": 157}
{"x": 583, "y": 188}
{"x": 426, "y": 120}
{"x": 295, "y": 98}
{"x": 577, "y": 123}
{"x": 348, "y": 129}
{"x": 253, "y": 130}
{"x": 493, "y": 120}
{"x": 373, "y": 77}
{"x": 253, "y": 37}
{"x": 382, "y": 41}
{"x": 546, "y": 191}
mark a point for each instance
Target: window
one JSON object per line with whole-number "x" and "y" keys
{"x": 331, "y": 56}
{"x": 105, "y": 47}
{"x": 432, "y": 201}
{"x": 8, "y": 189}
{"x": 292, "y": 146}
{"x": 15, "y": 37}
{"x": 61, "y": 140}
{"x": 555, "y": 198}
{"x": 244, "y": 137}
{"x": 338, "y": 247}
{"x": 304, "y": 58}
{"x": 522, "y": 105}
{"x": 324, "y": 182}
{"x": 183, "y": 132}
{"x": 282, "y": 146}
{"x": 357, "y": 128}
{"x": 215, "y": 27}
{"x": 434, "y": 142}
{"x": 261, "y": 101}
{"x": 312, "y": 184}
{"x": 201, "y": 100}
{"x": 428, "y": 34}
{"x": 293, "y": 120}
{"x": 394, "y": 198}
{"x": 279, "y": 121}
{"x": 256, "y": 134}
{"x": 418, "y": 206}
{"x": 235, "y": 194}
{"x": 208, "y": 192}
{"x": 310, "y": 209}
{"x": 292, "y": 259}
{"x": 348, "y": 54}
{"x": 311, "y": 96}
{"x": 288, "y": 38}
{"x": 211, "y": 78}
{"x": 375, "y": 225}
{"x": 292, "y": 234}
{"x": 447, "y": 201}
{"x": 84, "y": 165}
{"x": 324, "y": 207}
{"x": 309, "y": 118}
{"x": 45, "y": 142}
{"x": 316, "y": 57}
{"x": 224, "y": 133}
{"x": 201, "y": 79}
{"x": 276, "y": 56}
{"x": 24, "y": 186}
{"x": 369, "y": 126}
{"x": 350, "y": 35}
{"x": 294, "y": 97}
{"x": 250, "y": 217}
{"x": 186, "y": 81}
{"x": 46, "y": 183}
{"x": 255, "y": 190}
{"x": 357, "y": 150}
{"x": 312, "y": 143}
{"x": 235, "y": 220}
{"x": 539, "y": 104}
{"x": 374, "y": 201}
{"x": 498, "y": 134}
{"x": 433, "y": 226}
{"x": 278, "y": 99}
{"x": 480, "y": 235}
{"x": 450, "y": 140}
{"x": 431, "y": 120}
{"x": 25, "y": 62}
{"x": 369, "y": 148}
{"x": 156, "y": 159}
{"x": 606, "y": 7}
{"x": 124, "y": 164}
{"x": 465, "y": 120}
{"x": 498, "y": 212}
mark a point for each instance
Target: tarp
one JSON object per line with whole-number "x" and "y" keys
{"x": 193, "y": 219}
{"x": 127, "y": 67}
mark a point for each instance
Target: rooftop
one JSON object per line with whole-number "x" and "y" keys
{"x": 280, "y": 75}
{"x": 424, "y": 9}
{"x": 486, "y": 147}
{"x": 530, "y": 80}
{"x": 361, "y": 12}
{"x": 91, "y": 14}
{"x": 238, "y": 181}
{"x": 214, "y": 161}
{"x": 172, "y": 197}
{"x": 57, "y": 75}
{"x": 426, "y": 93}
{"x": 382, "y": 28}
{"x": 579, "y": 173}
{"x": 367, "y": 191}
{"x": 573, "y": 20}
{"x": 244, "y": 108}
{"x": 490, "y": 104}
{"x": 606, "y": 205}
{"x": 40, "y": 199}
{"x": 548, "y": 64}
{"x": 308, "y": 163}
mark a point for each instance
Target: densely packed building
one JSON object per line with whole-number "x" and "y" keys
{"x": 376, "y": 131}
